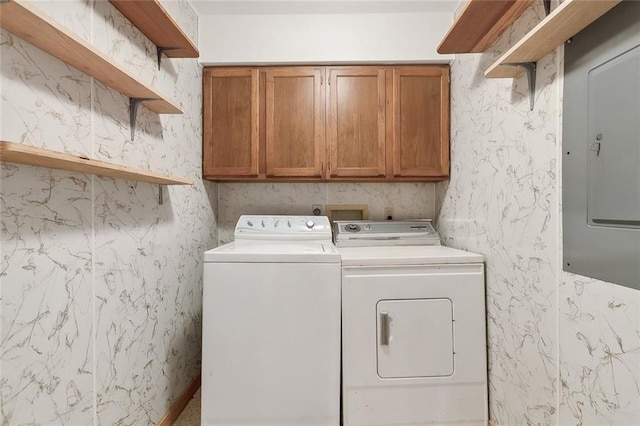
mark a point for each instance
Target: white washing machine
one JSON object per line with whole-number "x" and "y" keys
{"x": 271, "y": 325}
{"x": 413, "y": 327}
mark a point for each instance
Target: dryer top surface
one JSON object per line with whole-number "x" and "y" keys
{"x": 406, "y": 255}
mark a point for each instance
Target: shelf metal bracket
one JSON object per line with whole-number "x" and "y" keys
{"x": 134, "y": 103}
{"x": 530, "y": 68}
{"x": 547, "y": 6}
{"x": 160, "y": 194}
{"x": 161, "y": 50}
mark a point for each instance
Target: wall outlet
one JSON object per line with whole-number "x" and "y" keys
{"x": 388, "y": 213}
{"x": 316, "y": 209}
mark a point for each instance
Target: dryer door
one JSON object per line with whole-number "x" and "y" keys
{"x": 415, "y": 338}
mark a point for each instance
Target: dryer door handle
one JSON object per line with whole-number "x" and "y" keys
{"x": 384, "y": 329}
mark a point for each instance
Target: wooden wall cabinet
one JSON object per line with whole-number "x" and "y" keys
{"x": 230, "y": 122}
{"x": 356, "y": 122}
{"x": 342, "y": 123}
{"x": 294, "y": 122}
{"x": 420, "y": 123}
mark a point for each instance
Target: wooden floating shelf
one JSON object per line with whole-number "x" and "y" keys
{"x": 28, "y": 23}
{"x": 569, "y": 18}
{"x": 24, "y": 154}
{"x": 154, "y": 22}
{"x": 480, "y": 23}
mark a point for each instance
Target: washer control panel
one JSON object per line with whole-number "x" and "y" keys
{"x": 283, "y": 227}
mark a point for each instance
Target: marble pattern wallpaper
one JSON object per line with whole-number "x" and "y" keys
{"x": 599, "y": 352}
{"x": 408, "y": 200}
{"x": 100, "y": 285}
{"x": 563, "y": 349}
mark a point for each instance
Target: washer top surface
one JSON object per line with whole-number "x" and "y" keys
{"x": 242, "y": 251}
{"x": 406, "y": 255}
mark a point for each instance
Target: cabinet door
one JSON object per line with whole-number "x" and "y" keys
{"x": 294, "y": 122}
{"x": 230, "y": 122}
{"x": 420, "y": 128}
{"x": 356, "y": 117}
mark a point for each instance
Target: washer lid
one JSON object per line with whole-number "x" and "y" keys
{"x": 274, "y": 252}
{"x": 406, "y": 255}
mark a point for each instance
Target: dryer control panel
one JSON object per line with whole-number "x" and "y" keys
{"x": 371, "y": 233}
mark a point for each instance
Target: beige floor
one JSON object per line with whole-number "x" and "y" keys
{"x": 191, "y": 414}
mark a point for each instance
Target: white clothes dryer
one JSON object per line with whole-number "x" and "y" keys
{"x": 413, "y": 327}
{"x": 271, "y": 325}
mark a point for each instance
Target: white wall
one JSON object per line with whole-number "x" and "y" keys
{"x": 563, "y": 349}
{"x": 323, "y": 38}
{"x": 101, "y": 286}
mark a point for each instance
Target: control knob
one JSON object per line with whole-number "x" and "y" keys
{"x": 310, "y": 224}
{"x": 352, "y": 227}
